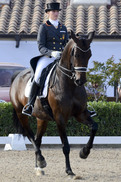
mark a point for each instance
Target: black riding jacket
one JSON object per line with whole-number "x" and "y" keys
{"x": 51, "y": 39}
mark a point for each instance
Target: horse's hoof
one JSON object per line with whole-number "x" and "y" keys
{"x": 78, "y": 178}
{"x": 39, "y": 171}
{"x": 70, "y": 173}
{"x": 42, "y": 164}
{"x": 84, "y": 153}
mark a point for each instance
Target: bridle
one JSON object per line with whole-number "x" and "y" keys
{"x": 73, "y": 69}
{"x": 80, "y": 69}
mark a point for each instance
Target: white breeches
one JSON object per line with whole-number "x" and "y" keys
{"x": 41, "y": 64}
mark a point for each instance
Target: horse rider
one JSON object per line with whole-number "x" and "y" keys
{"x": 51, "y": 39}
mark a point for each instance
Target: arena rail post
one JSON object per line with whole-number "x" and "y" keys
{"x": 18, "y": 142}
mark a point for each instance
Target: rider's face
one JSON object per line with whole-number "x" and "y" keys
{"x": 53, "y": 15}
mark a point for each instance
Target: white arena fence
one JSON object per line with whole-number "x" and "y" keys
{"x": 18, "y": 142}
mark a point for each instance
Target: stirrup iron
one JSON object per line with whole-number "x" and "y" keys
{"x": 25, "y": 107}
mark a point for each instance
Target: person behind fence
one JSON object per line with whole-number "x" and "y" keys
{"x": 52, "y": 38}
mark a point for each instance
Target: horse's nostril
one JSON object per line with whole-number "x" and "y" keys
{"x": 80, "y": 82}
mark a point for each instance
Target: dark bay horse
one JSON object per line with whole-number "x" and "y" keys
{"x": 66, "y": 98}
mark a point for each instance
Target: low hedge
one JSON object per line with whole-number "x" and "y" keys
{"x": 108, "y": 119}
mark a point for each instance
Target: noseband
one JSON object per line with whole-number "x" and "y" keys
{"x": 73, "y": 69}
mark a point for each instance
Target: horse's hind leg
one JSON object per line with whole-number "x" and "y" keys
{"x": 41, "y": 128}
{"x": 23, "y": 119}
{"x": 93, "y": 126}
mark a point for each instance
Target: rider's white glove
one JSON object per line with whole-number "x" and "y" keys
{"x": 56, "y": 54}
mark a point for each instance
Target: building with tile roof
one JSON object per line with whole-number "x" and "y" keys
{"x": 20, "y": 20}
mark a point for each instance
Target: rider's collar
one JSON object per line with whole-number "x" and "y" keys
{"x": 48, "y": 23}
{"x": 54, "y": 22}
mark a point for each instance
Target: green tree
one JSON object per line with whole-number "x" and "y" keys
{"x": 103, "y": 75}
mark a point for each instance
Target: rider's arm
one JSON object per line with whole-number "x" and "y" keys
{"x": 41, "y": 40}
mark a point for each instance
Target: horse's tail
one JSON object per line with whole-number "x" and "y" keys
{"x": 17, "y": 124}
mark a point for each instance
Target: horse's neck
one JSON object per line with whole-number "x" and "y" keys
{"x": 66, "y": 55}
{"x": 65, "y": 62}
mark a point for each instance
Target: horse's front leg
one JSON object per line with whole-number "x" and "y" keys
{"x": 65, "y": 146}
{"x": 93, "y": 126}
{"x": 86, "y": 150}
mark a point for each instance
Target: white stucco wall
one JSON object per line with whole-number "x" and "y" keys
{"x": 101, "y": 51}
{"x": 21, "y": 55}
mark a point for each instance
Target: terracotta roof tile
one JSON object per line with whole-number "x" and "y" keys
{"x": 14, "y": 20}
{"x": 37, "y": 18}
{"x": 102, "y": 20}
{"x": 91, "y": 23}
{"x": 80, "y": 19}
{"x": 69, "y": 21}
{"x": 114, "y": 20}
{"x": 25, "y": 17}
{"x": 4, "y": 19}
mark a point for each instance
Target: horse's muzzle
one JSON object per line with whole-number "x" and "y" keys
{"x": 79, "y": 82}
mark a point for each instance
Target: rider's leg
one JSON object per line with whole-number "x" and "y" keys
{"x": 28, "y": 108}
{"x": 41, "y": 64}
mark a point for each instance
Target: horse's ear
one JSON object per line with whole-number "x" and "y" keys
{"x": 73, "y": 36}
{"x": 91, "y": 36}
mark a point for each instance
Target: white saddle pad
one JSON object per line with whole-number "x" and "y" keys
{"x": 45, "y": 90}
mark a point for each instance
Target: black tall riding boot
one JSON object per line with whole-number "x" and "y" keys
{"x": 28, "y": 108}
